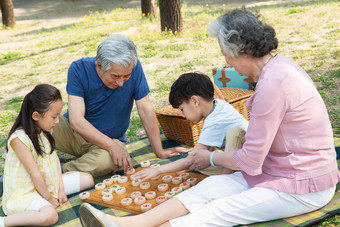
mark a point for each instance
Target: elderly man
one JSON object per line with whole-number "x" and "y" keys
{"x": 101, "y": 92}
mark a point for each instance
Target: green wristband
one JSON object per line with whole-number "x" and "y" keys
{"x": 211, "y": 159}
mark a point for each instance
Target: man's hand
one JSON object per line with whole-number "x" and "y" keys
{"x": 199, "y": 159}
{"x": 171, "y": 152}
{"x": 121, "y": 157}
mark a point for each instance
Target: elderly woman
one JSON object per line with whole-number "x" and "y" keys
{"x": 288, "y": 161}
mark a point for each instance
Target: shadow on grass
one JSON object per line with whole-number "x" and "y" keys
{"x": 7, "y": 61}
{"x": 15, "y": 58}
{"x": 58, "y": 9}
{"x": 43, "y": 30}
{"x": 292, "y": 4}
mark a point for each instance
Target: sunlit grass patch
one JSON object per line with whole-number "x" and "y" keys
{"x": 10, "y": 55}
{"x": 6, "y": 120}
{"x": 171, "y": 55}
{"x": 296, "y": 10}
{"x": 3, "y": 140}
{"x": 136, "y": 129}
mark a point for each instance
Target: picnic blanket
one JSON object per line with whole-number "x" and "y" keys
{"x": 141, "y": 151}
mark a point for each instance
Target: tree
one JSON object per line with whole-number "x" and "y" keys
{"x": 171, "y": 18}
{"x": 148, "y": 8}
{"x": 7, "y": 11}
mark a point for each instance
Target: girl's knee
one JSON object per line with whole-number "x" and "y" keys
{"x": 86, "y": 181}
{"x": 48, "y": 217}
{"x": 88, "y": 178}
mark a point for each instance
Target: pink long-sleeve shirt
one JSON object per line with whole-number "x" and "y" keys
{"x": 289, "y": 142}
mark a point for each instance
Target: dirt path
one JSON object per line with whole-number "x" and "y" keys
{"x": 53, "y": 13}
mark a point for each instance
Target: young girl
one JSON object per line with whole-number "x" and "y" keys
{"x": 33, "y": 183}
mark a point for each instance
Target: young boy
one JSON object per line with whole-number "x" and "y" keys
{"x": 193, "y": 94}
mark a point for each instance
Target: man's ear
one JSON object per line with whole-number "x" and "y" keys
{"x": 35, "y": 115}
{"x": 195, "y": 99}
{"x": 98, "y": 66}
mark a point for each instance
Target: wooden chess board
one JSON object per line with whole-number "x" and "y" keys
{"x": 96, "y": 195}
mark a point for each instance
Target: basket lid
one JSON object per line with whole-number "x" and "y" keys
{"x": 170, "y": 111}
{"x": 231, "y": 94}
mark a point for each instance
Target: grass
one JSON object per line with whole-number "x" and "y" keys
{"x": 308, "y": 32}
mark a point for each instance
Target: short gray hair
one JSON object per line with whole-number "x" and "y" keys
{"x": 240, "y": 32}
{"x": 118, "y": 50}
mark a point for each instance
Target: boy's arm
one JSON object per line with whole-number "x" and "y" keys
{"x": 26, "y": 158}
{"x": 167, "y": 168}
{"x": 148, "y": 173}
{"x": 149, "y": 121}
{"x": 200, "y": 146}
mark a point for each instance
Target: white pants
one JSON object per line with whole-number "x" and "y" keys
{"x": 71, "y": 185}
{"x": 227, "y": 200}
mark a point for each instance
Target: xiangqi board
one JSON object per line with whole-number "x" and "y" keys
{"x": 179, "y": 181}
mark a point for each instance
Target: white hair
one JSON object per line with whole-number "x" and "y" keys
{"x": 240, "y": 32}
{"x": 118, "y": 50}
{"x": 217, "y": 30}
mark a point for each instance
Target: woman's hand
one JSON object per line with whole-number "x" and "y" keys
{"x": 199, "y": 159}
{"x": 146, "y": 174}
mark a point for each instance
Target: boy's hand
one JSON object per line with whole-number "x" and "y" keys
{"x": 146, "y": 174}
{"x": 171, "y": 152}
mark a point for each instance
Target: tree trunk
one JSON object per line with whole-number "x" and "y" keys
{"x": 148, "y": 8}
{"x": 171, "y": 18}
{"x": 7, "y": 11}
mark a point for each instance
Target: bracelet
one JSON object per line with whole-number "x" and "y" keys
{"x": 211, "y": 159}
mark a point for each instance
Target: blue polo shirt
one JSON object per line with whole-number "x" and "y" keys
{"x": 108, "y": 110}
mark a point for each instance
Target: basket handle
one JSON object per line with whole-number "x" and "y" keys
{"x": 217, "y": 92}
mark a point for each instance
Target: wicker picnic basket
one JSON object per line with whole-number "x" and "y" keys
{"x": 177, "y": 128}
{"x": 237, "y": 97}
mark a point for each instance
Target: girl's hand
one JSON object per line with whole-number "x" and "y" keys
{"x": 62, "y": 198}
{"x": 54, "y": 202}
{"x": 146, "y": 174}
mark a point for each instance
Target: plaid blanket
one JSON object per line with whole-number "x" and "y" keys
{"x": 141, "y": 151}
